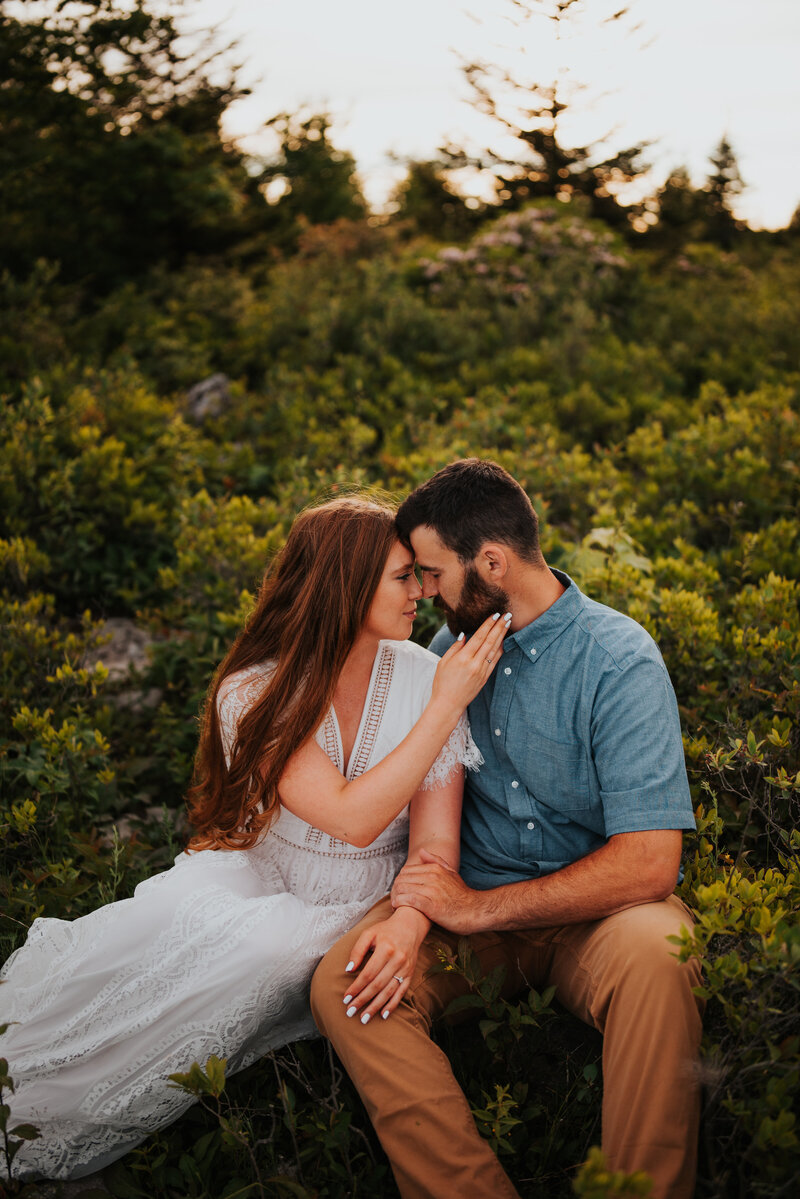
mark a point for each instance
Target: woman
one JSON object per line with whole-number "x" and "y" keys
{"x": 325, "y": 733}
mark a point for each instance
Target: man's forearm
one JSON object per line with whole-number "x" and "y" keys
{"x": 629, "y": 869}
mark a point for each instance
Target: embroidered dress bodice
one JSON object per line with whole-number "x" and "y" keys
{"x": 214, "y": 955}
{"x": 398, "y": 691}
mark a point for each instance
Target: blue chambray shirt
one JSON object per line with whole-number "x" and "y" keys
{"x": 578, "y": 725}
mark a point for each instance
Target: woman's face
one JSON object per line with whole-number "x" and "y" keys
{"x": 394, "y": 604}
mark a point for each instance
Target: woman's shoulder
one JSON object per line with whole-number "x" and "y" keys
{"x": 240, "y": 688}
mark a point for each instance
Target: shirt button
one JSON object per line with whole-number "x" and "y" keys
{"x": 531, "y": 824}
{"x": 507, "y": 670}
{"x": 533, "y": 652}
{"x": 514, "y": 784}
{"x": 497, "y": 732}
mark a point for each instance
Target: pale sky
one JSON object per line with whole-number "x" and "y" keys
{"x": 388, "y": 73}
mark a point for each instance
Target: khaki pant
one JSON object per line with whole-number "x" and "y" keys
{"x": 616, "y": 974}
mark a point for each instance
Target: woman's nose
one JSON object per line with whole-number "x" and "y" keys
{"x": 414, "y": 590}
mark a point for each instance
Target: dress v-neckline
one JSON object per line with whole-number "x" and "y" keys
{"x": 371, "y": 716}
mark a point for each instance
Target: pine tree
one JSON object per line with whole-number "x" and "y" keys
{"x": 316, "y": 183}
{"x": 426, "y": 202}
{"x": 111, "y": 157}
{"x": 532, "y": 112}
{"x": 680, "y": 208}
{"x": 723, "y": 187}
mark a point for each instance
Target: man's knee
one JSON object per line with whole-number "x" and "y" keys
{"x": 329, "y": 983}
{"x": 646, "y": 953}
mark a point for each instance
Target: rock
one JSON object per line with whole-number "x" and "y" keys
{"x": 137, "y": 700}
{"x": 131, "y": 822}
{"x": 125, "y": 651}
{"x": 209, "y": 398}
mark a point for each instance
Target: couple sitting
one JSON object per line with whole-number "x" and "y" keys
{"x": 332, "y": 752}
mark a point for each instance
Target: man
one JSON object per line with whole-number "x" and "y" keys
{"x": 571, "y": 844}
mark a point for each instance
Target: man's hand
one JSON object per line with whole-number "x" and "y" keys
{"x": 436, "y": 889}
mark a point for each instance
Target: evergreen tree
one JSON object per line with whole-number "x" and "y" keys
{"x": 316, "y": 183}
{"x": 531, "y": 112}
{"x": 428, "y": 203}
{"x": 723, "y": 187}
{"x": 680, "y": 207}
{"x": 110, "y": 150}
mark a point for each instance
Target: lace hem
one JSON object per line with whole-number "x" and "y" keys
{"x": 459, "y": 750}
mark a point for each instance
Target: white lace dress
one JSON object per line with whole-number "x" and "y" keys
{"x": 214, "y": 955}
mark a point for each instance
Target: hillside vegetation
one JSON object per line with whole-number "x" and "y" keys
{"x": 647, "y": 403}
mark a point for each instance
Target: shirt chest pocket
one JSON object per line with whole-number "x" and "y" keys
{"x": 556, "y": 773}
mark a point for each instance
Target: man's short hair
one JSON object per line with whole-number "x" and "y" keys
{"x": 470, "y": 502}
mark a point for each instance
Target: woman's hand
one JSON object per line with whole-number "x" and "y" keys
{"x": 466, "y": 666}
{"x": 387, "y": 955}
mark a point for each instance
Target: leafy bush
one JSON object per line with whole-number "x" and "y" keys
{"x": 95, "y": 480}
{"x": 650, "y": 408}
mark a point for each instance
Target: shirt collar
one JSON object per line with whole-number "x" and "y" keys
{"x": 537, "y": 635}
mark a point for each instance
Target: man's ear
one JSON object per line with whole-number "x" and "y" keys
{"x": 492, "y": 562}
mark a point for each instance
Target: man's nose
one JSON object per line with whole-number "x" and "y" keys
{"x": 429, "y": 588}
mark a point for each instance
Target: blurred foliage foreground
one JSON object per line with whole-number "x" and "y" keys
{"x": 649, "y": 404}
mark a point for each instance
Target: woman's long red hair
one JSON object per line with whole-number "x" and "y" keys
{"x": 312, "y": 605}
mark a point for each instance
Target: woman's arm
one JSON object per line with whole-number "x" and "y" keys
{"x": 393, "y": 945}
{"x": 358, "y": 811}
{"x": 434, "y": 820}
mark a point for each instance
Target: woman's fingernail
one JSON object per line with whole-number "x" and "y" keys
{"x": 347, "y": 999}
{"x": 365, "y": 1018}
{"x": 496, "y": 616}
{"x": 385, "y": 1015}
{"x": 460, "y": 637}
{"x": 349, "y": 967}
{"x": 351, "y": 1011}
{"x": 507, "y": 616}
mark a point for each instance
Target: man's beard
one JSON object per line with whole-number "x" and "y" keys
{"x": 477, "y": 601}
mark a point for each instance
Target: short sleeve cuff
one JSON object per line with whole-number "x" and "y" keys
{"x": 638, "y": 812}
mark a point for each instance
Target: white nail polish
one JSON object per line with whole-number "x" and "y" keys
{"x": 349, "y": 967}
{"x": 385, "y": 1015}
{"x": 496, "y": 616}
{"x": 365, "y": 1018}
{"x": 507, "y": 616}
{"x": 351, "y": 1011}
{"x": 460, "y": 637}
{"x": 347, "y": 999}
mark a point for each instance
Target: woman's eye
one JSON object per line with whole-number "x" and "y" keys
{"x": 404, "y": 578}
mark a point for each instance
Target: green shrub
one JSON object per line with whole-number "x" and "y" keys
{"x": 650, "y": 409}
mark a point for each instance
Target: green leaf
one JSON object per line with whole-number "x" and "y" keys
{"x": 215, "y": 1072}
{"x": 204, "y": 1144}
{"x": 288, "y": 1186}
{"x": 26, "y": 1132}
{"x": 238, "y": 1188}
{"x": 462, "y": 1002}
